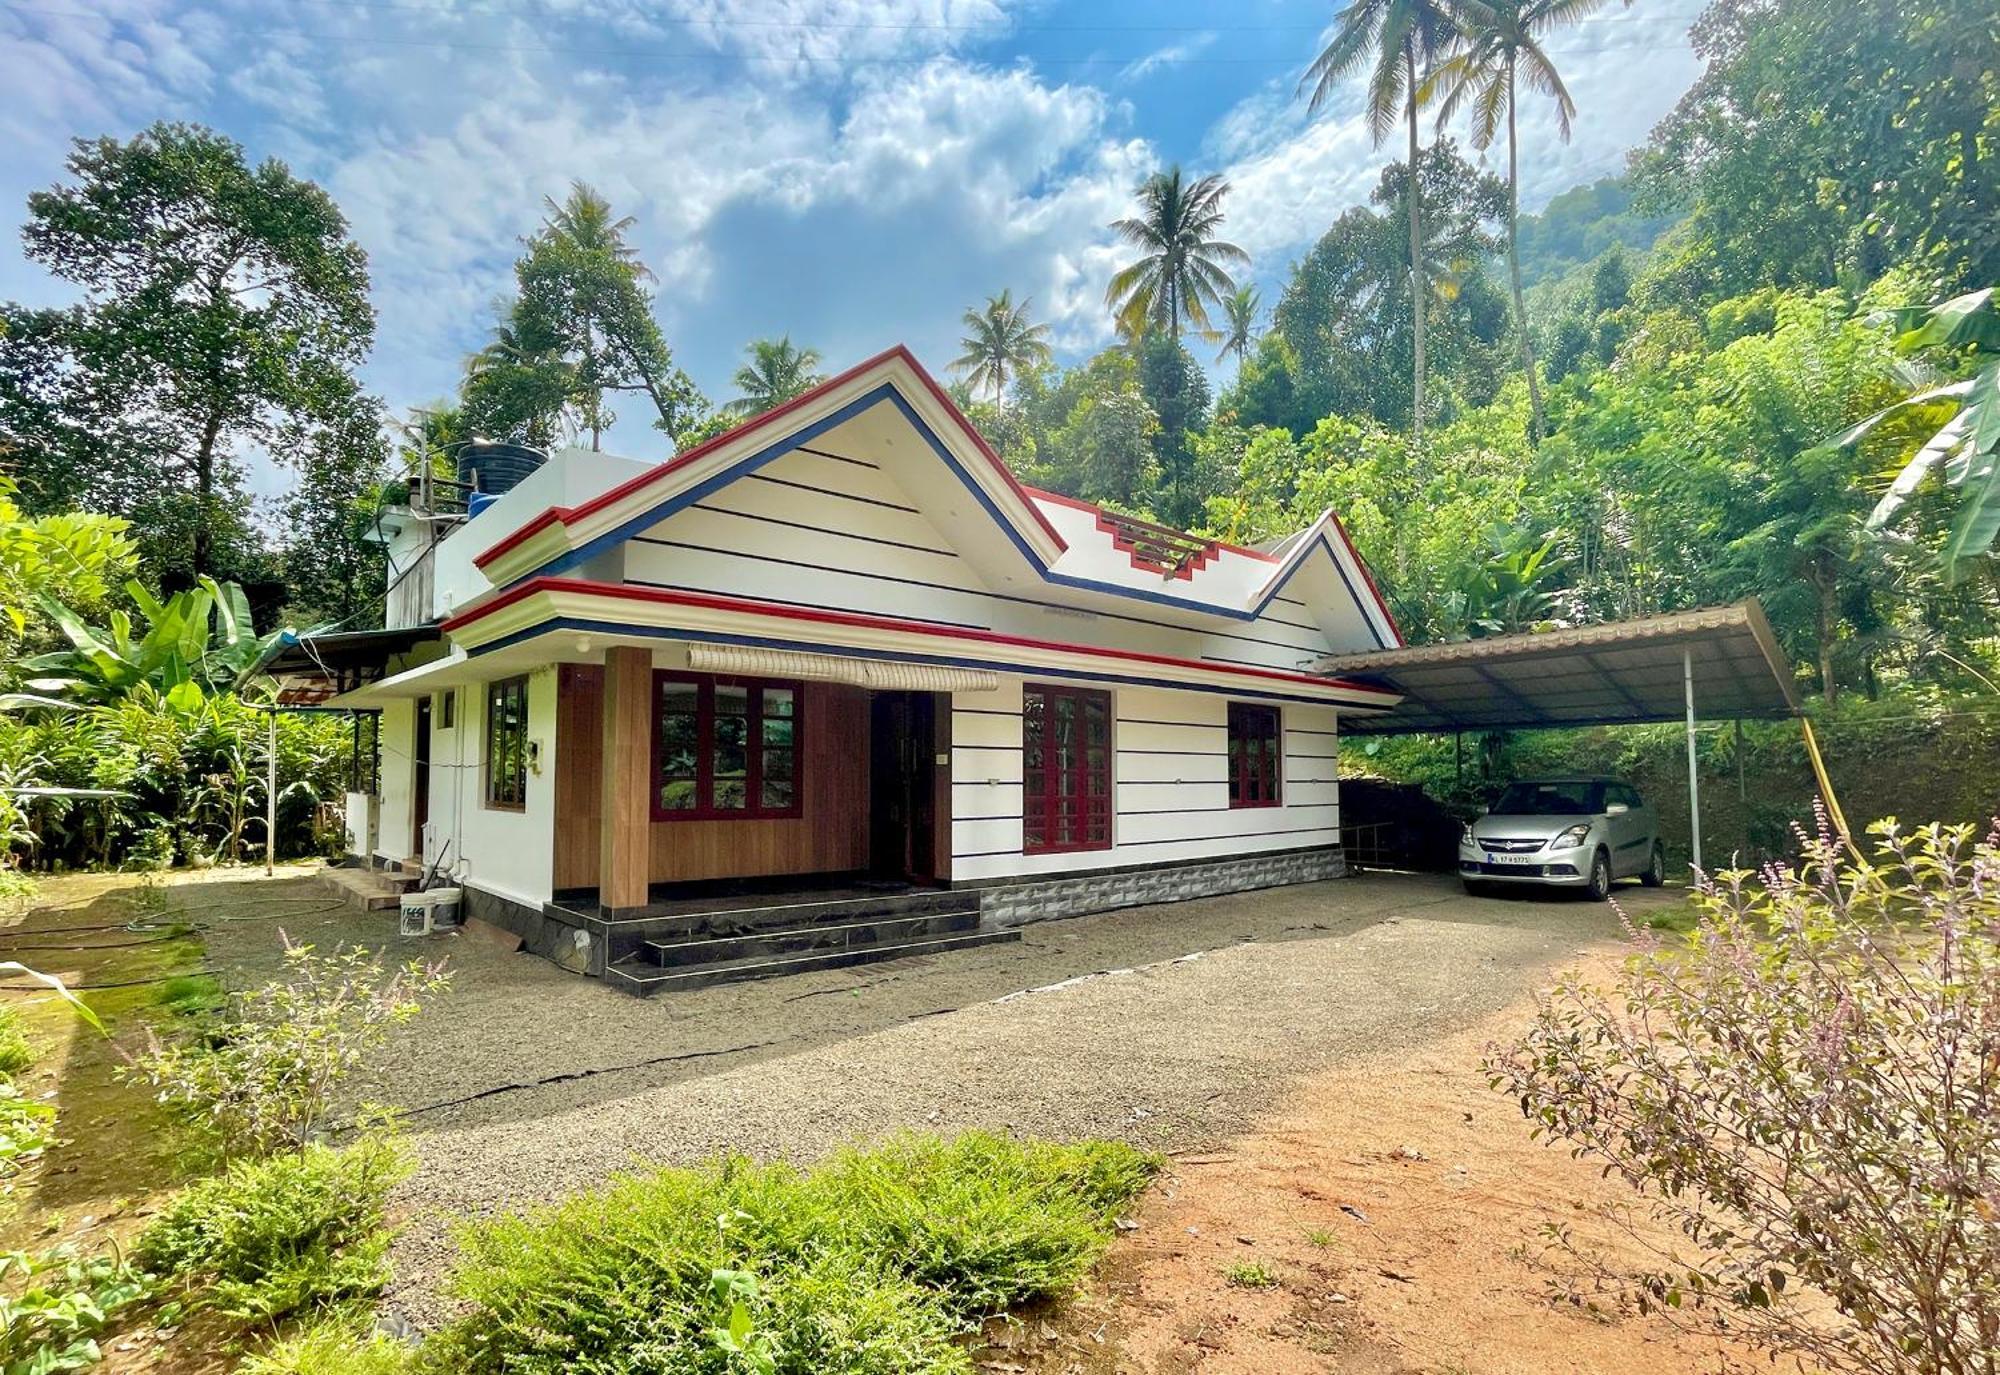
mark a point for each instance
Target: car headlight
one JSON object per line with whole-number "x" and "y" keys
{"x": 1467, "y": 836}
{"x": 1572, "y": 837}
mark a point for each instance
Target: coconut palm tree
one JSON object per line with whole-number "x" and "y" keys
{"x": 1181, "y": 273}
{"x": 1240, "y": 311}
{"x": 583, "y": 220}
{"x": 775, "y": 374}
{"x": 1503, "y": 47}
{"x": 1001, "y": 345}
{"x": 1396, "y": 40}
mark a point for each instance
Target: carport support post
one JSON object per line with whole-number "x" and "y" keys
{"x": 1694, "y": 782}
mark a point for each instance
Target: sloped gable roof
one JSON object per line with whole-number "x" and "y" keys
{"x": 1093, "y": 555}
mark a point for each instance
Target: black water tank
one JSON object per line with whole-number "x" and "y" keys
{"x": 493, "y": 468}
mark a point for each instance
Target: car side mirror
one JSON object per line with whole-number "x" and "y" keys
{"x": 1616, "y": 809}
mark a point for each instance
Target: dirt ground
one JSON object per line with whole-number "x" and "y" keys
{"x": 1400, "y": 1212}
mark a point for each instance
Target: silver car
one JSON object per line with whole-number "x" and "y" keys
{"x": 1570, "y": 832}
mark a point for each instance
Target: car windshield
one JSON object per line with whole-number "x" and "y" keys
{"x": 1549, "y": 799}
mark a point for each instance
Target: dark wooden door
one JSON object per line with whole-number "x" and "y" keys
{"x": 902, "y": 786}
{"x": 420, "y": 782}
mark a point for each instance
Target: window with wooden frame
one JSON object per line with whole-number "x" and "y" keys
{"x": 1254, "y": 736}
{"x": 1065, "y": 770}
{"x": 726, "y": 748}
{"x": 507, "y": 744}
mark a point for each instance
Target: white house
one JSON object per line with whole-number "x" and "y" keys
{"x": 835, "y": 685}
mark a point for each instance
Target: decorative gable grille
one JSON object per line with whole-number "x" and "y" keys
{"x": 1157, "y": 548}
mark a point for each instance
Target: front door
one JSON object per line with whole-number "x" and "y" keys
{"x": 901, "y": 786}
{"x": 420, "y": 783}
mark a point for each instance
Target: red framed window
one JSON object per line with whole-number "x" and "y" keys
{"x": 725, "y": 748}
{"x": 1065, "y": 770}
{"x": 1253, "y": 755}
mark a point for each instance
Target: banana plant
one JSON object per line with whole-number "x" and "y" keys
{"x": 194, "y": 643}
{"x": 1965, "y": 448}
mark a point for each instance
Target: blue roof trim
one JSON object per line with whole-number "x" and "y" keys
{"x": 595, "y": 627}
{"x": 652, "y": 515}
{"x": 1361, "y": 603}
{"x": 887, "y": 391}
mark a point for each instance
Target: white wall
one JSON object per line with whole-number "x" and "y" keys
{"x": 829, "y": 533}
{"x": 510, "y": 853}
{"x": 1169, "y": 778}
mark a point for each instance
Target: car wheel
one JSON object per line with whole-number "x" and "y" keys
{"x": 1656, "y": 872}
{"x": 1600, "y": 876}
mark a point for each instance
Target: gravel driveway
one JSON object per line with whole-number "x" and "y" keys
{"x": 1170, "y": 1026}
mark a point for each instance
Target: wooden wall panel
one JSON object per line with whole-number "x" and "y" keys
{"x": 579, "y": 777}
{"x": 831, "y": 836}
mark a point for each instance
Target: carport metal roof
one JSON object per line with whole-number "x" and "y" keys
{"x": 1619, "y": 673}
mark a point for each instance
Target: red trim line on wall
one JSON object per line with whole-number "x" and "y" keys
{"x": 566, "y": 514}
{"x": 714, "y": 602}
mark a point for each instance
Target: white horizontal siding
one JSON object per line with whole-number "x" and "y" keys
{"x": 821, "y": 532}
{"x": 1169, "y": 780}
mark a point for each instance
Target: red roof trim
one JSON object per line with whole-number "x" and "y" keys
{"x": 1368, "y": 576}
{"x": 712, "y": 602}
{"x": 566, "y": 514}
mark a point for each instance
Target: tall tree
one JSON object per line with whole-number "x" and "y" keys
{"x": 222, "y": 303}
{"x": 1239, "y": 310}
{"x": 775, "y": 374}
{"x": 581, "y": 326}
{"x": 1001, "y": 344}
{"x": 1829, "y": 139}
{"x": 1176, "y": 390}
{"x": 1396, "y": 40}
{"x": 1502, "y": 47}
{"x": 1181, "y": 272}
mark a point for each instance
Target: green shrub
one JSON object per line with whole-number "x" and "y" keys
{"x": 27, "y": 1128}
{"x": 983, "y": 1220}
{"x": 271, "y": 1238}
{"x": 263, "y": 1075}
{"x": 15, "y": 1052}
{"x": 873, "y": 1262}
{"x": 52, "y": 1307}
{"x": 339, "y": 1345}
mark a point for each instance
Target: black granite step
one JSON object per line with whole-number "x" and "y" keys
{"x": 642, "y": 977}
{"x": 819, "y": 936}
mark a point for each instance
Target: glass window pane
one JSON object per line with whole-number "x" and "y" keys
{"x": 777, "y": 765}
{"x": 777, "y": 794}
{"x": 677, "y": 795}
{"x": 731, "y": 700}
{"x": 778, "y": 730}
{"x": 731, "y": 794}
{"x": 678, "y": 696}
{"x": 778, "y": 701}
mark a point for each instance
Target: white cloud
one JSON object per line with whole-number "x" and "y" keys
{"x": 1172, "y": 55}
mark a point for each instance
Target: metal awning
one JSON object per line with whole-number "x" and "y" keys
{"x": 309, "y": 669}
{"x": 1620, "y": 673}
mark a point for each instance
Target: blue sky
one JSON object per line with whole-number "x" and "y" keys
{"x": 852, "y": 172}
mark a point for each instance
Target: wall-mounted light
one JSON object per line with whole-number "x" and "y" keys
{"x": 583, "y": 644}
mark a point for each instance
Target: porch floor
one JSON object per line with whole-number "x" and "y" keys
{"x": 743, "y": 896}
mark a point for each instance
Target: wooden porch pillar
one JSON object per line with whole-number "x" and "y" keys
{"x": 624, "y": 839}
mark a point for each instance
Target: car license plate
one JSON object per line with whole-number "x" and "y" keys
{"x": 1492, "y": 858}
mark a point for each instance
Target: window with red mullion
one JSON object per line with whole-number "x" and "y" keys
{"x": 1065, "y": 770}
{"x": 1253, "y": 755}
{"x": 726, "y": 748}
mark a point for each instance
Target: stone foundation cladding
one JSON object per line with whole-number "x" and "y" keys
{"x": 1016, "y": 904}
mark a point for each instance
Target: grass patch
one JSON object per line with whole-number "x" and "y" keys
{"x": 272, "y": 1238}
{"x": 338, "y": 1345}
{"x": 1320, "y": 1237}
{"x": 189, "y": 995}
{"x": 1677, "y": 920}
{"x": 15, "y": 1052}
{"x": 872, "y": 1263}
{"x": 1250, "y": 1274}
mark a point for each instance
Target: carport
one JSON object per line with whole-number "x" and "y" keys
{"x": 1719, "y": 662}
